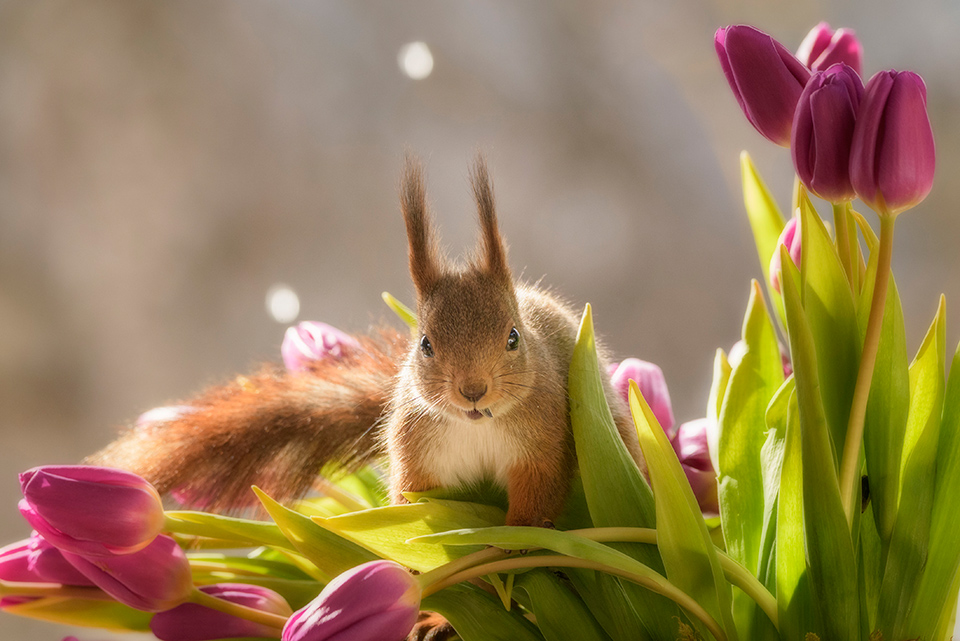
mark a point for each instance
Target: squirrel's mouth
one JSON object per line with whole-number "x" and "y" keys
{"x": 476, "y": 414}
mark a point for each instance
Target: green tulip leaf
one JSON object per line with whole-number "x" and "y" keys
{"x": 685, "y": 545}
{"x": 829, "y": 309}
{"x": 386, "y": 531}
{"x": 561, "y": 613}
{"x": 479, "y": 616}
{"x": 402, "y": 311}
{"x": 330, "y": 553}
{"x": 827, "y": 542}
{"x": 910, "y": 540}
{"x": 766, "y": 221}
{"x": 241, "y": 531}
{"x": 718, "y": 389}
{"x": 108, "y": 615}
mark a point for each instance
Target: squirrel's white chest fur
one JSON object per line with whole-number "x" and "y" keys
{"x": 467, "y": 451}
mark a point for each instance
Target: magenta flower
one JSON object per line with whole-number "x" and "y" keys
{"x": 48, "y": 563}
{"x": 15, "y": 567}
{"x": 892, "y": 158}
{"x": 376, "y": 601}
{"x": 789, "y": 238}
{"x": 310, "y": 341}
{"x": 823, "y": 132}
{"x": 823, "y": 47}
{"x": 95, "y": 511}
{"x": 154, "y": 579}
{"x": 652, "y": 384}
{"x": 192, "y": 622}
{"x": 690, "y": 444}
{"x": 766, "y": 79}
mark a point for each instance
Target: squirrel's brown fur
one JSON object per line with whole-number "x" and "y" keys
{"x": 480, "y": 391}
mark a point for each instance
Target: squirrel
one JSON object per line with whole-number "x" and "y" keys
{"x": 479, "y": 392}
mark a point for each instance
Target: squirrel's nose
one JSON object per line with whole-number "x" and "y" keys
{"x": 473, "y": 392}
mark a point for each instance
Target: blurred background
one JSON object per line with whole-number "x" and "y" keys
{"x": 167, "y": 167}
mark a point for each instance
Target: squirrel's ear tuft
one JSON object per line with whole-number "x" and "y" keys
{"x": 491, "y": 252}
{"x": 425, "y": 258}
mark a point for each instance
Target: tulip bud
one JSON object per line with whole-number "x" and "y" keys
{"x": 375, "y": 601}
{"x": 15, "y": 567}
{"x": 649, "y": 378}
{"x": 193, "y": 622}
{"x": 690, "y": 444}
{"x": 892, "y": 157}
{"x": 95, "y": 511}
{"x": 48, "y": 563}
{"x": 824, "y": 47}
{"x": 789, "y": 238}
{"x": 823, "y": 132}
{"x": 765, "y": 78}
{"x": 154, "y": 579}
{"x": 310, "y": 341}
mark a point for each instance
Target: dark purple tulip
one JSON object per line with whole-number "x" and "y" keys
{"x": 95, "y": 511}
{"x": 823, "y": 132}
{"x": 823, "y": 47}
{"x": 193, "y": 622}
{"x": 690, "y": 444}
{"x": 766, "y": 79}
{"x": 893, "y": 157}
{"x": 789, "y": 238}
{"x": 376, "y": 601}
{"x": 652, "y": 384}
{"x": 310, "y": 341}
{"x": 154, "y": 579}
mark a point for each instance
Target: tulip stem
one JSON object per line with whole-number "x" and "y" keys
{"x": 840, "y": 220}
{"x": 54, "y": 590}
{"x": 235, "y": 609}
{"x": 439, "y": 574}
{"x": 849, "y": 466}
{"x": 663, "y": 587}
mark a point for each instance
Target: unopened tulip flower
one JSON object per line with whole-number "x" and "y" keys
{"x": 766, "y": 79}
{"x": 823, "y": 132}
{"x": 154, "y": 579}
{"x": 15, "y": 567}
{"x": 690, "y": 444}
{"x": 893, "y": 157}
{"x": 95, "y": 511}
{"x": 310, "y": 341}
{"x": 824, "y": 47}
{"x": 652, "y": 384}
{"x": 49, "y": 565}
{"x": 789, "y": 238}
{"x": 375, "y": 601}
{"x": 193, "y": 622}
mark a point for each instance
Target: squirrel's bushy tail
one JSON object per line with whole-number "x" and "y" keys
{"x": 274, "y": 429}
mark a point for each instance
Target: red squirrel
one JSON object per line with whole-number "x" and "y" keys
{"x": 479, "y": 392}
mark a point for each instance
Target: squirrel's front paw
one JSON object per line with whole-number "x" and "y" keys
{"x": 431, "y": 627}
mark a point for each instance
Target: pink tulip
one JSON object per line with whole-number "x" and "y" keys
{"x": 789, "y": 238}
{"x": 310, "y": 341}
{"x": 154, "y": 579}
{"x": 649, "y": 378}
{"x": 766, "y": 79}
{"x": 376, "y": 601}
{"x": 95, "y": 511}
{"x": 193, "y": 622}
{"x": 48, "y": 563}
{"x": 892, "y": 158}
{"x": 15, "y": 567}
{"x": 690, "y": 444}
{"x": 823, "y": 132}
{"x": 824, "y": 47}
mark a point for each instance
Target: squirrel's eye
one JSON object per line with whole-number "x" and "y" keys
{"x": 426, "y": 347}
{"x": 513, "y": 341}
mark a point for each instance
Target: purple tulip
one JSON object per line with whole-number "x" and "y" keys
{"x": 15, "y": 567}
{"x": 690, "y": 444}
{"x": 376, "y": 601}
{"x": 652, "y": 384}
{"x": 823, "y": 47}
{"x": 95, "y": 511}
{"x": 193, "y": 622}
{"x": 789, "y": 238}
{"x": 48, "y": 563}
{"x": 154, "y": 579}
{"x": 765, "y": 78}
{"x": 311, "y": 341}
{"x": 823, "y": 132}
{"x": 893, "y": 157}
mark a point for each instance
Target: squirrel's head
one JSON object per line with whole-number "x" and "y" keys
{"x": 471, "y": 358}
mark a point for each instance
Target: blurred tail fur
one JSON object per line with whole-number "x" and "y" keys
{"x": 274, "y": 429}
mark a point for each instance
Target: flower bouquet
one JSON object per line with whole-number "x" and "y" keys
{"x": 819, "y": 498}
